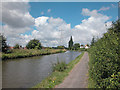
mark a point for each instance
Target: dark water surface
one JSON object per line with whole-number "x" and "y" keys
{"x": 27, "y": 72}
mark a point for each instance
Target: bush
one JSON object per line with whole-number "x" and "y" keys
{"x": 59, "y": 66}
{"x": 104, "y": 59}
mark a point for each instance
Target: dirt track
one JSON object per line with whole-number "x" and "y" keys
{"x": 77, "y": 78}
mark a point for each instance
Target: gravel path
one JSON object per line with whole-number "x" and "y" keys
{"x": 77, "y": 78}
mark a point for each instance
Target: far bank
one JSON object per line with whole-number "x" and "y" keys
{"x": 22, "y": 53}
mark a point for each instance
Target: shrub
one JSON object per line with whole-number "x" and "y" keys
{"x": 59, "y": 66}
{"x": 104, "y": 59}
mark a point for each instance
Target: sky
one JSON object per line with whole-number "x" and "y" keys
{"x": 54, "y": 22}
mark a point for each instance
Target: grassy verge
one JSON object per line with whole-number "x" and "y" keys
{"x": 91, "y": 83}
{"x": 57, "y": 76}
{"x": 21, "y": 53}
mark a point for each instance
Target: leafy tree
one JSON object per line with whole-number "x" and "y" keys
{"x": 76, "y": 46}
{"x": 70, "y": 43}
{"x": 17, "y": 46}
{"x": 3, "y": 45}
{"x": 34, "y": 44}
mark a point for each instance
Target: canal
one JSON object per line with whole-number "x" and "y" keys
{"x": 27, "y": 72}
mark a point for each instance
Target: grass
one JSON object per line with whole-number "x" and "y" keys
{"x": 59, "y": 66}
{"x": 91, "y": 83}
{"x": 21, "y": 53}
{"x": 57, "y": 76}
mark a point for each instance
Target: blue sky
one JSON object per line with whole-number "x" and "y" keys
{"x": 44, "y": 20}
{"x": 71, "y": 11}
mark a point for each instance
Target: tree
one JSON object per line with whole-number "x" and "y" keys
{"x": 60, "y": 47}
{"x": 76, "y": 46}
{"x": 34, "y": 44}
{"x": 93, "y": 41}
{"x": 70, "y": 43}
{"x": 17, "y": 46}
{"x": 3, "y": 45}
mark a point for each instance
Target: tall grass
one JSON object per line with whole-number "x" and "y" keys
{"x": 59, "y": 66}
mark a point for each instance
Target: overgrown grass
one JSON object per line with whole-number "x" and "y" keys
{"x": 21, "y": 53}
{"x": 57, "y": 76}
{"x": 59, "y": 66}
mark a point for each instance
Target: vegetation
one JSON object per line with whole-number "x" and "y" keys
{"x": 58, "y": 76}
{"x": 93, "y": 41}
{"x": 5, "y": 47}
{"x": 59, "y": 66}
{"x": 105, "y": 60}
{"x": 21, "y": 53}
{"x": 0, "y": 43}
{"x": 17, "y": 46}
{"x": 70, "y": 43}
{"x": 34, "y": 44}
{"x": 76, "y": 46}
{"x": 60, "y": 47}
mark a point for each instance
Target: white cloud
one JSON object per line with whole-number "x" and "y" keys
{"x": 15, "y": 0}
{"x": 16, "y": 14}
{"x": 93, "y": 26}
{"x": 49, "y": 10}
{"x": 48, "y": 31}
{"x": 104, "y": 8}
{"x": 41, "y": 21}
{"x": 17, "y": 20}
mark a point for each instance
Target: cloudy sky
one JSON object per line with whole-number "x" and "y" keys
{"x": 53, "y": 23}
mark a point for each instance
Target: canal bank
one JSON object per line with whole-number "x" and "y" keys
{"x": 21, "y": 53}
{"x": 57, "y": 77}
{"x": 28, "y": 72}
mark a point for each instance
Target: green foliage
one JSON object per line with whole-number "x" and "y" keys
{"x": 93, "y": 41}
{"x": 60, "y": 47}
{"x": 59, "y": 66}
{"x": 4, "y": 46}
{"x": 76, "y": 46}
{"x": 17, "y": 46}
{"x": 34, "y": 44}
{"x": 105, "y": 61}
{"x": 70, "y": 43}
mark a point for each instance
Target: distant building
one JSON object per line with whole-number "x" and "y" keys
{"x": 11, "y": 47}
{"x": 86, "y": 47}
{"x": 81, "y": 46}
{"x": 24, "y": 48}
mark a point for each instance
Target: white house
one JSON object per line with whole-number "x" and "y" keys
{"x": 86, "y": 47}
{"x": 81, "y": 46}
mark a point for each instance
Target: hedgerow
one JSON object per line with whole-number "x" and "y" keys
{"x": 104, "y": 64}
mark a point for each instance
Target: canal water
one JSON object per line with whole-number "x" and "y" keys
{"x": 27, "y": 72}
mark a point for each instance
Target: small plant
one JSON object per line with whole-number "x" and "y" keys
{"x": 59, "y": 66}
